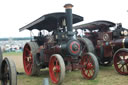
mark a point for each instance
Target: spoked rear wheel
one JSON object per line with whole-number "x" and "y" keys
{"x": 121, "y": 61}
{"x": 8, "y": 70}
{"x": 56, "y": 69}
{"x": 87, "y": 45}
{"x": 29, "y": 59}
{"x": 90, "y": 66}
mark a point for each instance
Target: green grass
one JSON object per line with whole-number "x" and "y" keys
{"x": 12, "y": 53}
{"x": 106, "y": 76}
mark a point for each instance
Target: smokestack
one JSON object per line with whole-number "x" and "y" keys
{"x": 68, "y": 9}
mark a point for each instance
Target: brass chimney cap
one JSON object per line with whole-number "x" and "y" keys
{"x": 68, "y": 6}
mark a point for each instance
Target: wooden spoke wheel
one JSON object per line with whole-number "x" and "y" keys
{"x": 90, "y": 66}
{"x": 56, "y": 69}
{"x": 121, "y": 61}
{"x": 8, "y": 71}
{"x": 29, "y": 59}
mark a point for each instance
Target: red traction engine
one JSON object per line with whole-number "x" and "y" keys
{"x": 8, "y": 74}
{"x": 58, "y": 49}
{"x": 109, "y": 45}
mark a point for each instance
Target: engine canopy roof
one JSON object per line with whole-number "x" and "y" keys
{"x": 101, "y": 24}
{"x": 50, "y": 22}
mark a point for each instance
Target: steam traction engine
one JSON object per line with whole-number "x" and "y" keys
{"x": 109, "y": 45}
{"x": 8, "y": 74}
{"x": 59, "y": 49}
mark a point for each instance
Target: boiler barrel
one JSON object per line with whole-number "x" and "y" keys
{"x": 122, "y": 43}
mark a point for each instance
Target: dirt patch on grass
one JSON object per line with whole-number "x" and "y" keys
{"x": 18, "y": 61}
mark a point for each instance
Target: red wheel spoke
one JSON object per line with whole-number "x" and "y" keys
{"x": 30, "y": 68}
{"x": 27, "y": 50}
{"x": 57, "y": 75}
{"x": 27, "y": 65}
{"x": 118, "y": 58}
{"x": 92, "y": 66}
{"x": 57, "y": 69}
{"x": 25, "y": 58}
{"x": 84, "y": 59}
{"x": 126, "y": 61}
{"x": 89, "y": 72}
{"x": 92, "y": 71}
{"x": 124, "y": 57}
{"x": 87, "y": 64}
{"x": 121, "y": 67}
{"x": 90, "y": 59}
{"x": 30, "y": 55}
{"x": 57, "y": 63}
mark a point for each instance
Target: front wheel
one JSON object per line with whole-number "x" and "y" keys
{"x": 120, "y": 59}
{"x": 90, "y": 66}
{"x": 8, "y": 71}
{"x": 56, "y": 69}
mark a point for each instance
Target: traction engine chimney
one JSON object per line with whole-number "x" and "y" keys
{"x": 68, "y": 9}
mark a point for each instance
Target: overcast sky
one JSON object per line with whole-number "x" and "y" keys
{"x": 15, "y": 14}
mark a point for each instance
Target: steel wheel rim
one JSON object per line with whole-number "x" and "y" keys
{"x": 121, "y": 62}
{"x": 27, "y": 59}
{"x": 88, "y": 67}
{"x": 54, "y": 69}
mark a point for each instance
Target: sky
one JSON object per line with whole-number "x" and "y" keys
{"x": 15, "y": 14}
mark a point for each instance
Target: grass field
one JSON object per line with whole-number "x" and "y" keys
{"x": 12, "y": 53}
{"x": 106, "y": 76}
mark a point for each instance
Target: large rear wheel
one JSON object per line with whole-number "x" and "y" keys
{"x": 29, "y": 59}
{"x": 87, "y": 45}
{"x": 56, "y": 69}
{"x": 8, "y": 71}
{"x": 90, "y": 66}
{"x": 121, "y": 61}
